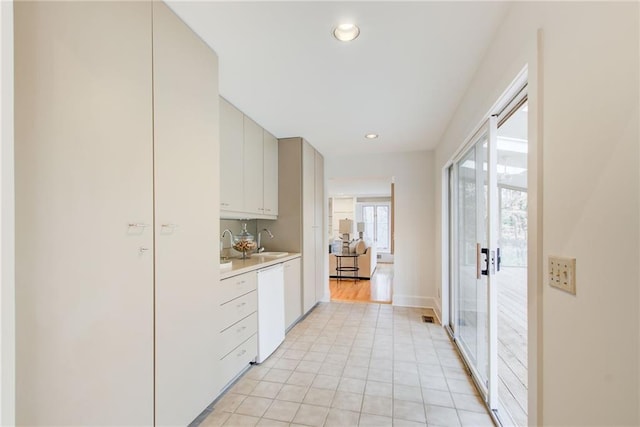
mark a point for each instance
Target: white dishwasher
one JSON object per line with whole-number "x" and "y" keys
{"x": 270, "y": 310}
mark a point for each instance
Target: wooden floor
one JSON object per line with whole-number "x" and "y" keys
{"x": 378, "y": 289}
{"x": 512, "y": 342}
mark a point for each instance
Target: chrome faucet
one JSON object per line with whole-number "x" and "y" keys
{"x": 260, "y": 248}
{"x": 230, "y": 239}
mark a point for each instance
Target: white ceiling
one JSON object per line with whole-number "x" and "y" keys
{"x": 402, "y": 78}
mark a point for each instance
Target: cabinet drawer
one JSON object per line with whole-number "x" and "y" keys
{"x": 238, "y": 333}
{"x": 238, "y": 359}
{"x": 236, "y": 286}
{"x": 238, "y": 309}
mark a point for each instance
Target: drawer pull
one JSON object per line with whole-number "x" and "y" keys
{"x": 241, "y": 304}
{"x": 241, "y": 329}
{"x": 138, "y": 225}
{"x": 241, "y": 353}
{"x": 241, "y": 282}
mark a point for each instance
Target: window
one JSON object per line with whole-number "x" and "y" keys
{"x": 376, "y": 218}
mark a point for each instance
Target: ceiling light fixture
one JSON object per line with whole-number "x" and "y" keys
{"x": 346, "y": 32}
{"x": 371, "y": 136}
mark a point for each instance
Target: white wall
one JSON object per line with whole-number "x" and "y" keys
{"x": 414, "y": 217}
{"x": 7, "y": 255}
{"x": 585, "y": 148}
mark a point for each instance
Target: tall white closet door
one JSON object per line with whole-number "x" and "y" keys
{"x": 322, "y": 283}
{"x": 84, "y": 276}
{"x": 186, "y": 119}
{"x": 308, "y": 228}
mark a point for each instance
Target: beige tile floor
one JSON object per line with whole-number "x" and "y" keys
{"x": 350, "y": 364}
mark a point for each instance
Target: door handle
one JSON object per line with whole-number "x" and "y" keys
{"x": 485, "y": 271}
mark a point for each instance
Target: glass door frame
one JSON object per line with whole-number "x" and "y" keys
{"x": 488, "y": 389}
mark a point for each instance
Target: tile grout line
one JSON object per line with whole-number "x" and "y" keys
{"x": 365, "y": 332}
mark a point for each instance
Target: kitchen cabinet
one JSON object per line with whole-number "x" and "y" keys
{"x": 270, "y": 169}
{"x": 292, "y": 292}
{"x": 300, "y": 224}
{"x": 319, "y": 210}
{"x": 249, "y": 167}
{"x": 238, "y": 325}
{"x": 309, "y": 260}
{"x": 253, "y": 167}
{"x": 116, "y": 109}
{"x": 231, "y": 152}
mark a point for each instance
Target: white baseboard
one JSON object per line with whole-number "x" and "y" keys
{"x": 438, "y": 309}
{"x": 414, "y": 301}
{"x": 418, "y": 302}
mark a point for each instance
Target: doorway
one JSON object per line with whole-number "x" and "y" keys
{"x": 487, "y": 203}
{"x": 361, "y": 218}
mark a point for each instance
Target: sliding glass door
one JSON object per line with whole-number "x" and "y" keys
{"x": 472, "y": 244}
{"x": 487, "y": 203}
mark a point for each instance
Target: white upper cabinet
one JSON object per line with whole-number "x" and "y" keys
{"x": 253, "y": 167}
{"x": 231, "y": 152}
{"x": 248, "y": 167}
{"x": 270, "y": 168}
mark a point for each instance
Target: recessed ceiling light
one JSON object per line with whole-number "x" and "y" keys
{"x": 371, "y": 136}
{"x": 346, "y": 32}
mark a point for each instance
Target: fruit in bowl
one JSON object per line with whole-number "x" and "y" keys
{"x": 244, "y": 246}
{"x": 244, "y": 242}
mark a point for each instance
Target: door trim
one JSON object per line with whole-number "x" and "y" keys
{"x": 533, "y": 91}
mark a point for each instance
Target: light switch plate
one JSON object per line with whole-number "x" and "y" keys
{"x": 562, "y": 273}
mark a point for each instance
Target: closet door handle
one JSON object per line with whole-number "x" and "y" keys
{"x": 169, "y": 225}
{"x": 142, "y": 250}
{"x": 138, "y": 225}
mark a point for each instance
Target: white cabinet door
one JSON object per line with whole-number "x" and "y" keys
{"x": 83, "y": 173}
{"x": 292, "y": 292}
{"x": 321, "y": 281}
{"x": 186, "y": 131}
{"x": 308, "y": 228}
{"x": 253, "y": 167}
{"x": 231, "y": 152}
{"x": 270, "y": 174}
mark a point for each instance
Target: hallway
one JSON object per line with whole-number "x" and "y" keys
{"x": 378, "y": 289}
{"x": 351, "y": 364}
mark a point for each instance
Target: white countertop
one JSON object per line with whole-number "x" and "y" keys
{"x": 254, "y": 262}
